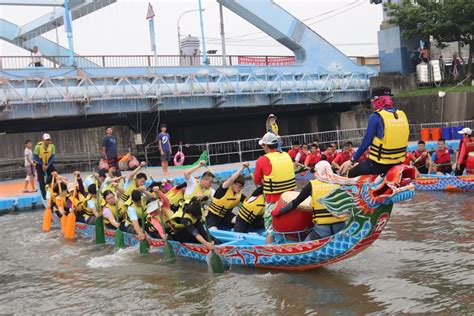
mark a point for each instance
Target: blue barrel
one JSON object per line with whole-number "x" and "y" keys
{"x": 456, "y": 129}
{"x": 447, "y": 133}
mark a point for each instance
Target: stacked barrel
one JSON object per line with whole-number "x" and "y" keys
{"x": 435, "y": 133}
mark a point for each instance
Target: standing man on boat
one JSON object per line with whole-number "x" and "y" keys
{"x": 109, "y": 147}
{"x": 275, "y": 172}
{"x": 44, "y": 155}
{"x": 466, "y": 146}
{"x": 386, "y": 135}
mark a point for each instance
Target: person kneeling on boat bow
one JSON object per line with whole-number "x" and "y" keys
{"x": 325, "y": 223}
{"x": 187, "y": 223}
{"x": 387, "y": 135}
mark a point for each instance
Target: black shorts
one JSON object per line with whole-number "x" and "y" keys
{"x": 166, "y": 155}
{"x": 369, "y": 167}
{"x": 220, "y": 222}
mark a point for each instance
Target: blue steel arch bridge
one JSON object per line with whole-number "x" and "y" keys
{"x": 321, "y": 73}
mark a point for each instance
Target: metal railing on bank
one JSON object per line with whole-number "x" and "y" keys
{"x": 219, "y": 152}
{"x": 248, "y": 149}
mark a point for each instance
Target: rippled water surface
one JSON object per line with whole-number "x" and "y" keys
{"x": 423, "y": 262}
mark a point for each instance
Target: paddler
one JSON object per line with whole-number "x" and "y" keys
{"x": 275, "y": 172}
{"x": 325, "y": 223}
{"x": 110, "y": 208}
{"x": 330, "y": 153}
{"x": 342, "y": 157}
{"x": 386, "y": 135}
{"x": 466, "y": 146}
{"x": 294, "y": 150}
{"x": 227, "y": 196}
{"x": 157, "y": 211}
{"x": 176, "y": 196}
{"x": 134, "y": 212}
{"x": 301, "y": 156}
{"x": 441, "y": 159}
{"x": 250, "y": 214}
{"x": 314, "y": 156}
{"x": 421, "y": 158}
{"x": 44, "y": 155}
{"x": 135, "y": 180}
{"x": 187, "y": 223}
{"x": 203, "y": 187}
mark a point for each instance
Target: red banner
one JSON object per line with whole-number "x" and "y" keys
{"x": 266, "y": 61}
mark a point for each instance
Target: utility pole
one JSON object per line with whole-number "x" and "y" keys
{"x": 224, "y": 53}
{"x": 68, "y": 27}
{"x": 204, "y": 53}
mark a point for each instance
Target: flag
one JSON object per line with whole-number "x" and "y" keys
{"x": 150, "y": 14}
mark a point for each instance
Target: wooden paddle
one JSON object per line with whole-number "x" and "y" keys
{"x": 215, "y": 175}
{"x": 119, "y": 237}
{"x": 216, "y": 262}
{"x": 48, "y": 213}
{"x": 144, "y": 244}
{"x": 60, "y": 205}
{"x": 99, "y": 221}
{"x": 71, "y": 217}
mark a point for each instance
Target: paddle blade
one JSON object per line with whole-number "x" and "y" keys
{"x": 47, "y": 218}
{"x": 119, "y": 239}
{"x": 63, "y": 223}
{"x": 99, "y": 230}
{"x": 144, "y": 247}
{"x": 215, "y": 262}
{"x": 70, "y": 225}
{"x": 168, "y": 252}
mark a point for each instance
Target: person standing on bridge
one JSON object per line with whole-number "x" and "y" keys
{"x": 386, "y": 135}
{"x": 44, "y": 155}
{"x": 36, "y": 57}
{"x": 109, "y": 148}
{"x": 275, "y": 172}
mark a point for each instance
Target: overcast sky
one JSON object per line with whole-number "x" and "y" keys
{"x": 121, "y": 28}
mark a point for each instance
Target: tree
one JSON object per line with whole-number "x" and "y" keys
{"x": 445, "y": 20}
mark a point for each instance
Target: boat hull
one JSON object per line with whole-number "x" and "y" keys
{"x": 426, "y": 183}
{"x": 358, "y": 235}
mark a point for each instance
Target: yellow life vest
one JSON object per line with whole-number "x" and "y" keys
{"x": 175, "y": 197}
{"x": 282, "y": 177}
{"x": 88, "y": 211}
{"x": 78, "y": 201}
{"x": 45, "y": 152}
{"x": 175, "y": 219}
{"x": 274, "y": 128}
{"x": 113, "y": 209}
{"x": 198, "y": 191}
{"x": 225, "y": 204}
{"x": 128, "y": 191}
{"x": 391, "y": 149}
{"x": 139, "y": 209}
{"x": 250, "y": 210}
{"x": 320, "y": 215}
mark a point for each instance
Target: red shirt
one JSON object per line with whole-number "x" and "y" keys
{"x": 330, "y": 157}
{"x": 264, "y": 167}
{"x": 293, "y": 152}
{"x": 408, "y": 158}
{"x": 343, "y": 156}
{"x": 312, "y": 159}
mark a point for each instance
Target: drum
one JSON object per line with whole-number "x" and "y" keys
{"x": 299, "y": 219}
{"x": 470, "y": 163}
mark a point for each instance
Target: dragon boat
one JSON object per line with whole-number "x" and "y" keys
{"x": 428, "y": 182}
{"x": 367, "y": 200}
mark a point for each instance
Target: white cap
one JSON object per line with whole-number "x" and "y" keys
{"x": 268, "y": 139}
{"x": 153, "y": 206}
{"x": 272, "y": 115}
{"x": 465, "y": 130}
{"x": 46, "y": 136}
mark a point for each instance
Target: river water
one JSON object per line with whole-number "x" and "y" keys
{"x": 422, "y": 263}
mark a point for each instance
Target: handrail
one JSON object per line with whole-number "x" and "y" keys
{"x": 15, "y": 62}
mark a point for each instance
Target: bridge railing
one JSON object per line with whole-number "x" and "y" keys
{"x": 17, "y": 62}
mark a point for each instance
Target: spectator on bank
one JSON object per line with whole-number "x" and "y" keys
{"x": 44, "y": 155}
{"x": 36, "y": 57}
{"x": 109, "y": 148}
{"x": 425, "y": 54}
{"x": 29, "y": 167}
{"x": 164, "y": 143}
